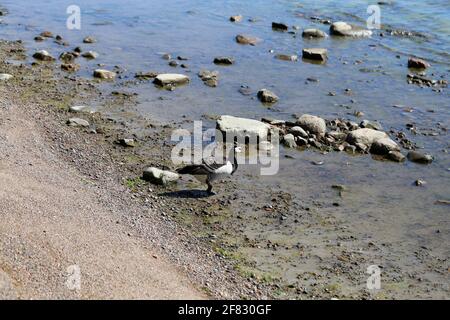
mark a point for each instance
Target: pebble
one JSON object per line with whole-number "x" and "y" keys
{"x": 236, "y": 18}
{"x": 247, "y": 40}
{"x": 89, "y": 40}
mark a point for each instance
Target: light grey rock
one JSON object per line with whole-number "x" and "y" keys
{"x": 289, "y": 141}
{"x": 79, "y": 109}
{"x": 171, "y": 79}
{"x": 77, "y": 122}
{"x": 365, "y": 137}
{"x": 104, "y": 74}
{"x": 160, "y": 177}
{"x": 243, "y": 127}
{"x": 318, "y": 54}
{"x": 5, "y": 76}
{"x": 267, "y": 96}
{"x": 314, "y": 33}
{"x": 298, "y": 132}
{"x": 344, "y": 29}
{"x": 313, "y": 124}
{"x": 419, "y": 157}
{"x": 127, "y": 142}
{"x": 371, "y": 125}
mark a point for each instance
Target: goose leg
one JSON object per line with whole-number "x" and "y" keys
{"x": 209, "y": 187}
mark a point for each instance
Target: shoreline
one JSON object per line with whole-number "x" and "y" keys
{"x": 100, "y": 166}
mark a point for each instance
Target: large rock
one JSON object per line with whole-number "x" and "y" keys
{"x": 318, "y": 54}
{"x": 104, "y": 74}
{"x": 171, "y": 79}
{"x": 267, "y": 96}
{"x": 384, "y": 146}
{"x": 314, "y": 33}
{"x": 313, "y": 124}
{"x": 347, "y": 30}
{"x": 43, "y": 56}
{"x": 242, "y": 127}
{"x": 365, "y": 137}
{"x": 5, "y": 76}
{"x": 161, "y": 177}
{"x": 243, "y": 39}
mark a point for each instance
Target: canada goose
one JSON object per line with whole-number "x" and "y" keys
{"x": 209, "y": 172}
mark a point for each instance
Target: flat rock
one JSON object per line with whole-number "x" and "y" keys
{"x": 365, "y": 137}
{"x": 104, "y": 74}
{"x": 160, "y": 177}
{"x": 313, "y": 124}
{"x": 127, "y": 142}
{"x": 171, "y": 79}
{"x": 345, "y": 29}
{"x": 267, "y": 96}
{"x": 77, "y": 109}
{"x": 419, "y": 157}
{"x": 314, "y": 33}
{"x": 43, "y": 55}
{"x": 318, "y": 54}
{"x": 242, "y": 127}
{"x": 287, "y": 57}
{"x": 77, "y": 122}
{"x": 5, "y": 76}
{"x": 244, "y": 39}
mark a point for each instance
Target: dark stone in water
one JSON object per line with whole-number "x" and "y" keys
{"x": 224, "y": 60}
{"x": 419, "y": 157}
{"x": 279, "y": 26}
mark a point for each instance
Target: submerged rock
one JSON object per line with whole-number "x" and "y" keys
{"x": 287, "y": 57}
{"x": 171, "y": 79}
{"x": 314, "y": 33}
{"x": 104, "y": 74}
{"x": 313, "y": 124}
{"x": 209, "y": 78}
{"x": 242, "y": 127}
{"x": 160, "y": 177}
{"x": 318, "y": 54}
{"x": 267, "y": 96}
{"x": 419, "y": 157}
{"x": 279, "y": 26}
{"x": 243, "y": 39}
{"x": 77, "y": 122}
{"x": 347, "y": 30}
{"x": 43, "y": 55}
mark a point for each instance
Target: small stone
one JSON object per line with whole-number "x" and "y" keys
{"x": 236, "y": 18}
{"x": 247, "y": 40}
{"x": 173, "y": 63}
{"x": 104, "y": 74}
{"x": 161, "y": 177}
{"x": 43, "y": 56}
{"x": 317, "y": 54}
{"x": 77, "y": 109}
{"x": 209, "y": 78}
{"x": 89, "y": 40}
{"x": 419, "y": 157}
{"x": 267, "y": 96}
{"x": 314, "y": 33}
{"x": 396, "y": 156}
{"x": 166, "y": 56}
{"x": 289, "y": 141}
{"x": 39, "y": 38}
{"x": 420, "y": 182}
{"x": 279, "y": 26}
{"x": 46, "y": 34}
{"x": 67, "y": 57}
{"x": 127, "y": 142}
{"x": 5, "y": 76}
{"x": 90, "y": 55}
{"x": 417, "y": 63}
{"x": 70, "y": 67}
{"x": 224, "y": 60}
{"x": 77, "y": 122}
{"x": 287, "y": 57}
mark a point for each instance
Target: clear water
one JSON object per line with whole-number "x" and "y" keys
{"x": 134, "y": 34}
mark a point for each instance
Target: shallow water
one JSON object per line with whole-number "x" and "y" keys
{"x": 382, "y": 204}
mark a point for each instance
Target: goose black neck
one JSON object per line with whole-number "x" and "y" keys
{"x": 235, "y": 162}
